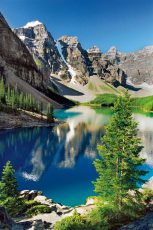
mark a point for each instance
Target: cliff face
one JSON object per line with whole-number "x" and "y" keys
{"x": 105, "y": 69}
{"x": 16, "y": 59}
{"x": 43, "y": 48}
{"x": 91, "y": 62}
{"x": 76, "y": 58}
{"x": 137, "y": 65}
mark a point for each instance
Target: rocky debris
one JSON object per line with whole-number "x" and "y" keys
{"x": 5, "y": 221}
{"x": 138, "y": 65}
{"x": 47, "y": 220}
{"x": 144, "y": 223}
{"x": 43, "y": 48}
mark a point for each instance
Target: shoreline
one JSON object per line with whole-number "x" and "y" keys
{"x": 24, "y": 119}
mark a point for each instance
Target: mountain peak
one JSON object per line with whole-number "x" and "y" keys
{"x": 94, "y": 49}
{"x": 112, "y": 49}
{"x": 32, "y": 24}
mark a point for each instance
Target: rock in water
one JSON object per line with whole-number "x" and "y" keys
{"x": 5, "y": 221}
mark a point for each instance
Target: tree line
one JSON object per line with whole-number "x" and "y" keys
{"x": 19, "y": 100}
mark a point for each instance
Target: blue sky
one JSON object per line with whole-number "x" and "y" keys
{"x": 127, "y": 24}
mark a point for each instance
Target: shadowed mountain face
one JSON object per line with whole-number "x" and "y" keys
{"x": 15, "y": 58}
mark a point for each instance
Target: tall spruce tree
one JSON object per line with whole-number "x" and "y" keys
{"x": 119, "y": 164}
{"x": 49, "y": 113}
{"x": 2, "y": 91}
{"x": 9, "y": 194}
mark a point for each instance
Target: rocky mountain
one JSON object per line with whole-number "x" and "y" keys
{"x": 137, "y": 65}
{"x": 19, "y": 70}
{"x": 66, "y": 57}
{"x": 43, "y": 48}
{"x": 105, "y": 69}
{"x": 71, "y": 63}
{"x": 76, "y": 57}
{"x": 88, "y": 63}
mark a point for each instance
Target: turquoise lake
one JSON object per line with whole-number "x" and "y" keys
{"x": 59, "y": 161}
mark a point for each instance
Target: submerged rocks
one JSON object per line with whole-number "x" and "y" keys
{"x": 5, "y": 221}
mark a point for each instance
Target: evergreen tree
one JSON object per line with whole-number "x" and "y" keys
{"x": 9, "y": 195}
{"x": 119, "y": 164}
{"x": 2, "y": 90}
{"x": 49, "y": 113}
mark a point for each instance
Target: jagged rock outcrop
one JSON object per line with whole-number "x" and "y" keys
{"x": 86, "y": 63}
{"x": 76, "y": 57}
{"x": 67, "y": 58}
{"x": 15, "y": 57}
{"x": 137, "y": 65}
{"x": 105, "y": 69}
{"x": 43, "y": 48}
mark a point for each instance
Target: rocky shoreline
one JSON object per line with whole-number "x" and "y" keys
{"x": 23, "y": 119}
{"x": 44, "y": 220}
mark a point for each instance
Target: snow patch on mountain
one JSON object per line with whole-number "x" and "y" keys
{"x": 32, "y": 24}
{"x": 70, "y": 69}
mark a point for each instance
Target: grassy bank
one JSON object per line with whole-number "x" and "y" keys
{"x": 108, "y": 100}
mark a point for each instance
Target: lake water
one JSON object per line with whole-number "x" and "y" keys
{"x": 59, "y": 160}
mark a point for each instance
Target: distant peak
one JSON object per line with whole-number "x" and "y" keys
{"x": 113, "y": 48}
{"x": 32, "y": 24}
{"x": 94, "y": 49}
{"x": 69, "y": 40}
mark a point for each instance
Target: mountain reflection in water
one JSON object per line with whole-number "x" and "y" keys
{"x": 58, "y": 160}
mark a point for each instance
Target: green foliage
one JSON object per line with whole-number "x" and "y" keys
{"x": 104, "y": 100}
{"x": 119, "y": 164}
{"x": 74, "y": 222}
{"x": 147, "y": 195}
{"x": 145, "y": 103}
{"x": 37, "y": 209}
{"x": 111, "y": 217}
{"x": 30, "y": 203}
{"x": 9, "y": 195}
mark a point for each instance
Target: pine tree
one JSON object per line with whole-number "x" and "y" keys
{"x": 49, "y": 113}
{"x": 119, "y": 164}
{"x": 9, "y": 194}
{"x": 2, "y": 90}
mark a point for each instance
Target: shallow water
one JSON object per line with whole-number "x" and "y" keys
{"x": 59, "y": 160}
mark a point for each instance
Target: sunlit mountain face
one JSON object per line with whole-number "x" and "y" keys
{"x": 59, "y": 160}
